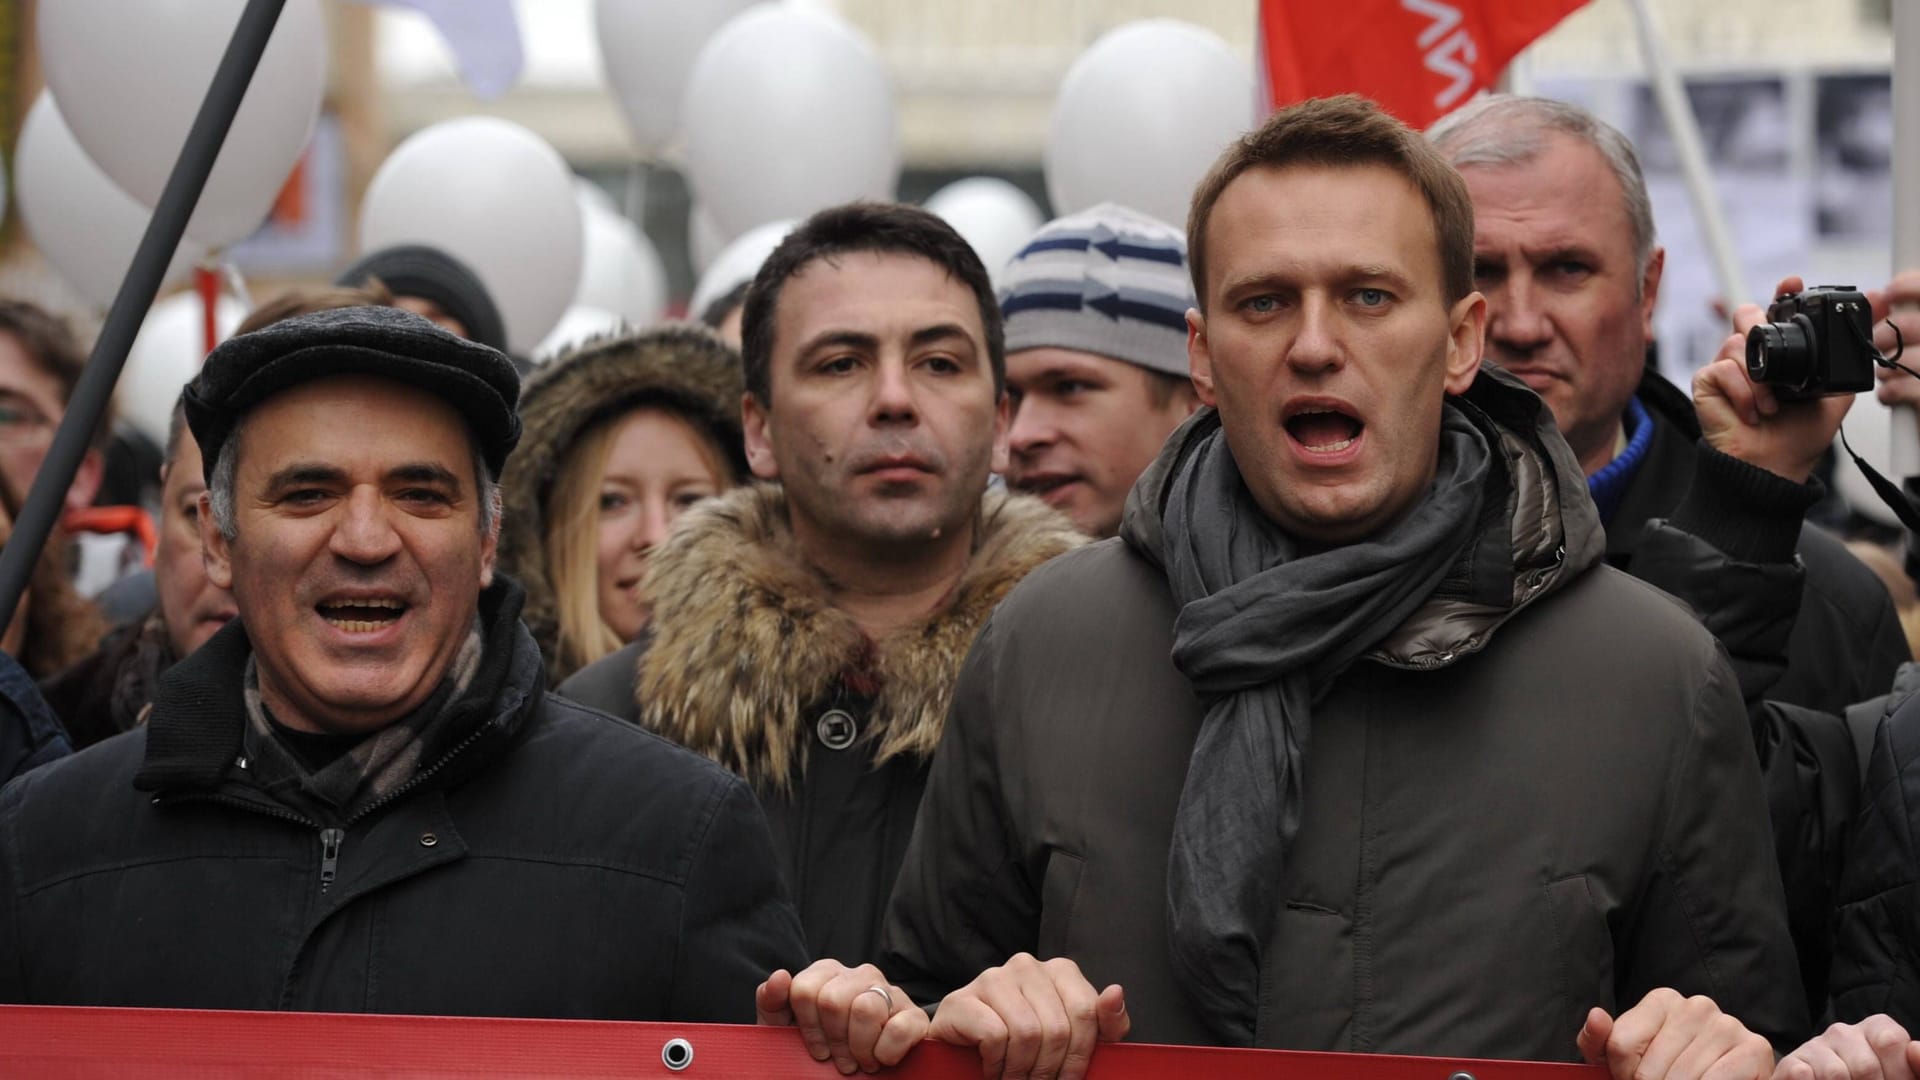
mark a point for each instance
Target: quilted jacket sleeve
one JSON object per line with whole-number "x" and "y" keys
{"x": 1876, "y": 965}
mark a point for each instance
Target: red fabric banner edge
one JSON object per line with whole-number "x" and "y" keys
{"x": 72, "y": 1042}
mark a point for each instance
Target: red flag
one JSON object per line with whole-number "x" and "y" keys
{"x": 1420, "y": 59}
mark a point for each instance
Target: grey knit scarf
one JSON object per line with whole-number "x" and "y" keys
{"x": 1262, "y": 633}
{"x": 374, "y": 768}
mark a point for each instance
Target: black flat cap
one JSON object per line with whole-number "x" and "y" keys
{"x": 432, "y": 274}
{"x": 246, "y": 370}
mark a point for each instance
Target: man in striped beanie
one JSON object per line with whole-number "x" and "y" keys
{"x": 1095, "y": 308}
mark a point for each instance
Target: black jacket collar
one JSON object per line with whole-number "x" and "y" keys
{"x": 1666, "y": 472}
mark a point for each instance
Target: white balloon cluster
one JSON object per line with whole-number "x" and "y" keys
{"x": 648, "y": 48}
{"x": 779, "y": 110}
{"x": 82, "y": 221}
{"x": 782, "y": 109}
{"x": 128, "y": 80}
{"x": 786, "y": 109}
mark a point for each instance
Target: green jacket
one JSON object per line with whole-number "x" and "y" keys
{"x": 1515, "y": 811}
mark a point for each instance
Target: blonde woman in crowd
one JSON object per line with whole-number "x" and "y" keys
{"x": 621, "y": 435}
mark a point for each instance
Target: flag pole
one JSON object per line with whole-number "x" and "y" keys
{"x": 94, "y": 392}
{"x": 1685, "y": 131}
{"x": 1903, "y": 450}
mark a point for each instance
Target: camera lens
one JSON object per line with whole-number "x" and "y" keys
{"x": 1780, "y": 354}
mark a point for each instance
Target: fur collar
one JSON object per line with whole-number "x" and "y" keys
{"x": 746, "y": 642}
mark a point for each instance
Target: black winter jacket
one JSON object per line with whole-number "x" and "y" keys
{"x": 557, "y": 863}
{"x": 1809, "y": 629}
{"x": 1876, "y": 963}
{"x": 1843, "y": 641}
{"x": 1513, "y": 809}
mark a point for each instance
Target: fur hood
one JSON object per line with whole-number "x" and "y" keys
{"x": 746, "y": 640}
{"x": 681, "y": 365}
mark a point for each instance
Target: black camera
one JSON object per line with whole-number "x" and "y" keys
{"x": 1814, "y": 343}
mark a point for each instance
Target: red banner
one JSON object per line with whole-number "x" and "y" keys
{"x": 1420, "y": 59}
{"x": 164, "y": 1044}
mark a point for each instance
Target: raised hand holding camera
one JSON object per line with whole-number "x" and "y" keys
{"x": 1783, "y": 429}
{"x": 1814, "y": 342}
{"x": 1816, "y": 349}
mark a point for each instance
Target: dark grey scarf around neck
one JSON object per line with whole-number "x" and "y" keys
{"x": 1262, "y": 632}
{"x": 380, "y": 763}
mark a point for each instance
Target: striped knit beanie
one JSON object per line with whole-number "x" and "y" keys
{"x": 1109, "y": 281}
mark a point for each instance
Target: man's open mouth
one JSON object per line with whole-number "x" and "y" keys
{"x": 1324, "y": 431}
{"x": 362, "y": 615}
{"x": 1043, "y": 484}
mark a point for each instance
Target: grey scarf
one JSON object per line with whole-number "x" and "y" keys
{"x": 374, "y": 768}
{"x": 1262, "y": 633}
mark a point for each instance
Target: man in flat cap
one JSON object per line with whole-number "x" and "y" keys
{"x": 357, "y": 796}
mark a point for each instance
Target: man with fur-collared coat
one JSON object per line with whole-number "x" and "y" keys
{"x": 807, "y": 634}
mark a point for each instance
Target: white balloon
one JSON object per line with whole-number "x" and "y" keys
{"x": 498, "y": 198}
{"x": 991, "y": 214}
{"x": 737, "y": 264}
{"x": 1141, "y": 115}
{"x": 788, "y": 110}
{"x": 130, "y": 78}
{"x": 648, "y": 48}
{"x": 620, "y": 271}
{"x": 85, "y": 225}
{"x": 705, "y": 239}
{"x": 592, "y": 196}
{"x": 166, "y": 353}
{"x": 580, "y": 322}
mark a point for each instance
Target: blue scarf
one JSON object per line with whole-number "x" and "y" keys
{"x": 1610, "y": 483}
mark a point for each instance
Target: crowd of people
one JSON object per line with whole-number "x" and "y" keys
{"x": 1319, "y": 629}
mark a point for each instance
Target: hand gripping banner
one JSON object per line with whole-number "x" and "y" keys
{"x": 50, "y": 1043}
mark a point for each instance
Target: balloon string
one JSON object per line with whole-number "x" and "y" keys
{"x": 207, "y": 280}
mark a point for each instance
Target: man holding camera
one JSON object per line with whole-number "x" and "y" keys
{"x": 1564, "y": 252}
{"x": 1705, "y": 499}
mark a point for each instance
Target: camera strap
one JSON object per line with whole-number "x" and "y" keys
{"x": 1890, "y": 493}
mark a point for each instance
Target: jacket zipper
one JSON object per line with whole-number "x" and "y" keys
{"x": 330, "y": 838}
{"x": 330, "y": 856}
